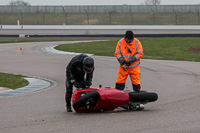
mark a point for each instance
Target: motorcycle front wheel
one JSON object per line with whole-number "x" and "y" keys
{"x": 88, "y": 100}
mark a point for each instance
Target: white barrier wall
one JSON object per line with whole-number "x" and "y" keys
{"x": 102, "y": 27}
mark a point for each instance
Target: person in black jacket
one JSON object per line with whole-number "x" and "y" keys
{"x": 79, "y": 72}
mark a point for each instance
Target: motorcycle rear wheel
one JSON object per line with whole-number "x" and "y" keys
{"x": 142, "y": 97}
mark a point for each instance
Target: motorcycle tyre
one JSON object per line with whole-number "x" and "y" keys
{"x": 142, "y": 97}
{"x": 82, "y": 100}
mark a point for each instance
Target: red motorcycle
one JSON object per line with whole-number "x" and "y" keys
{"x": 107, "y": 99}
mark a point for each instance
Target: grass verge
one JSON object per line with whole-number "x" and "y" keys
{"x": 12, "y": 81}
{"x": 154, "y": 48}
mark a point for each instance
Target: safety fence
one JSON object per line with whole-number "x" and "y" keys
{"x": 101, "y": 9}
{"x": 101, "y": 15}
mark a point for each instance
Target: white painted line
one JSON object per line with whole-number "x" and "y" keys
{"x": 52, "y": 50}
{"x": 34, "y": 85}
{"x": 3, "y": 89}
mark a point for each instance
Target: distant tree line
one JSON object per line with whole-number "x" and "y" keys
{"x": 19, "y": 3}
{"x": 152, "y": 2}
{"x": 23, "y": 3}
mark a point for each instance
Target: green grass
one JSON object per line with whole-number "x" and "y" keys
{"x": 154, "y": 48}
{"x": 104, "y": 48}
{"x": 171, "y": 48}
{"x": 12, "y": 81}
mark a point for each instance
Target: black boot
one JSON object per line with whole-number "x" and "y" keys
{"x": 69, "y": 108}
{"x": 136, "y": 88}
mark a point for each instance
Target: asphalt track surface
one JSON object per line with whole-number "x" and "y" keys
{"x": 176, "y": 82}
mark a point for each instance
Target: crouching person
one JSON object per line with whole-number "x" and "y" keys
{"x": 79, "y": 72}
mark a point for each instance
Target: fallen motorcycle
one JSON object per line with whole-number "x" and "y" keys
{"x": 107, "y": 99}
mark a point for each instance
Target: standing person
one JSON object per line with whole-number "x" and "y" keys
{"x": 128, "y": 52}
{"x": 79, "y": 72}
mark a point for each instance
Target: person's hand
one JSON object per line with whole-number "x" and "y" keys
{"x": 87, "y": 87}
{"x": 77, "y": 85}
{"x": 121, "y": 61}
{"x": 88, "y": 83}
{"x": 72, "y": 81}
{"x": 131, "y": 60}
{"x": 124, "y": 67}
{"x": 128, "y": 63}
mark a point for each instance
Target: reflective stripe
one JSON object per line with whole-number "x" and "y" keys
{"x": 134, "y": 65}
{"x": 136, "y": 57}
{"x": 140, "y": 51}
{"x": 121, "y": 46}
{"x": 136, "y": 46}
{"x": 119, "y": 57}
{"x": 124, "y": 55}
{"x": 117, "y": 51}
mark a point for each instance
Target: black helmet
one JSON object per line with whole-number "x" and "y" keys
{"x": 129, "y": 35}
{"x": 88, "y": 64}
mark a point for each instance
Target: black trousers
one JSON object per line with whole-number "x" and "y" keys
{"x": 121, "y": 86}
{"x": 68, "y": 94}
{"x": 69, "y": 90}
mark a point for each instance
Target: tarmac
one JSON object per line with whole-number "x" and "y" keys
{"x": 176, "y": 83}
{"x": 35, "y": 84}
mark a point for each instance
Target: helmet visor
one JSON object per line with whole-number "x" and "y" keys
{"x": 88, "y": 69}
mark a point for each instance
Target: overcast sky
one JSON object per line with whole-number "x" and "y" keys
{"x": 101, "y": 2}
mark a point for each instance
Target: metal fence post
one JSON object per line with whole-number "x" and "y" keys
{"x": 43, "y": 17}
{"x": 109, "y": 13}
{"x": 21, "y": 17}
{"x": 197, "y": 16}
{"x": 131, "y": 15}
{"x": 154, "y": 17}
{"x": 87, "y": 16}
{"x": 176, "y": 16}
{"x": 65, "y": 15}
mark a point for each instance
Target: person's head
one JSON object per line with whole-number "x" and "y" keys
{"x": 129, "y": 36}
{"x": 88, "y": 64}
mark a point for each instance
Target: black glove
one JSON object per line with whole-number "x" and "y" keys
{"x": 77, "y": 84}
{"x": 72, "y": 81}
{"x": 131, "y": 60}
{"x": 121, "y": 61}
{"x": 88, "y": 84}
{"x": 128, "y": 63}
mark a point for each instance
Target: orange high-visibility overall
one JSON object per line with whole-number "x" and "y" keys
{"x": 133, "y": 70}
